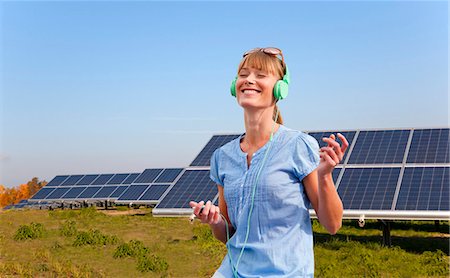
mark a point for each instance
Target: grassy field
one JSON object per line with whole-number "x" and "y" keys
{"x": 90, "y": 243}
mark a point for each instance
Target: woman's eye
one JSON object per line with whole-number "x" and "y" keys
{"x": 261, "y": 75}
{"x": 243, "y": 75}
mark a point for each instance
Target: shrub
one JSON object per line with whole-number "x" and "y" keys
{"x": 32, "y": 231}
{"x": 134, "y": 248}
{"x": 68, "y": 229}
{"x": 94, "y": 237}
{"x": 151, "y": 262}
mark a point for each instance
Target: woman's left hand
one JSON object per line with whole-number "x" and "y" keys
{"x": 331, "y": 155}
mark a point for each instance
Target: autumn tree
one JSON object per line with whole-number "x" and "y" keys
{"x": 11, "y": 196}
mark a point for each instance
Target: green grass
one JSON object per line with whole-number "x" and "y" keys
{"x": 144, "y": 246}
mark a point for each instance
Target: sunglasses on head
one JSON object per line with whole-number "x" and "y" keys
{"x": 268, "y": 50}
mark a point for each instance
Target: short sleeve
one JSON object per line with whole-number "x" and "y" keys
{"x": 214, "y": 170}
{"x": 306, "y": 155}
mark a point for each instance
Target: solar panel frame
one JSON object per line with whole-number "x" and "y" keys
{"x": 217, "y": 141}
{"x": 118, "y": 192}
{"x": 89, "y": 192}
{"x": 74, "y": 192}
{"x": 349, "y": 135}
{"x": 366, "y": 152}
{"x": 105, "y": 192}
{"x": 131, "y": 178}
{"x": 57, "y": 193}
{"x": 430, "y": 146}
{"x": 414, "y": 196}
{"x": 192, "y": 185}
{"x": 378, "y": 197}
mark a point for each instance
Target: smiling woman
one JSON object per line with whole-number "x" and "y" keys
{"x": 268, "y": 178}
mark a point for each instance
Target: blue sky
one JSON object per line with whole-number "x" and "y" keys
{"x": 117, "y": 87}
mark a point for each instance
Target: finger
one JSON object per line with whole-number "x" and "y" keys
{"x": 332, "y": 154}
{"x": 332, "y": 136}
{"x": 335, "y": 146}
{"x": 198, "y": 208}
{"x": 327, "y": 158}
{"x": 217, "y": 215}
{"x": 205, "y": 213}
{"x": 212, "y": 213}
{"x": 344, "y": 141}
{"x": 192, "y": 204}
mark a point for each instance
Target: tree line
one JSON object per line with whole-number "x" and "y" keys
{"x": 12, "y": 196}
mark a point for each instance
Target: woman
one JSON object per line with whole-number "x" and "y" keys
{"x": 267, "y": 179}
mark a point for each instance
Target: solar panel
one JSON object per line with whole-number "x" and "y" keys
{"x": 430, "y": 146}
{"x": 379, "y": 147}
{"x": 73, "y": 192}
{"x": 168, "y": 175}
{"x": 118, "y": 179}
{"x": 424, "y": 188}
{"x": 41, "y": 194}
{"x": 57, "y": 193}
{"x": 102, "y": 179}
{"x": 131, "y": 178}
{"x": 57, "y": 180}
{"x": 87, "y": 180}
{"x": 89, "y": 192}
{"x": 118, "y": 191}
{"x": 105, "y": 192}
{"x": 368, "y": 188}
{"x": 148, "y": 176}
{"x": 349, "y": 135}
{"x": 72, "y": 180}
{"x": 192, "y": 185}
{"x": 133, "y": 192}
{"x": 154, "y": 192}
{"x": 217, "y": 141}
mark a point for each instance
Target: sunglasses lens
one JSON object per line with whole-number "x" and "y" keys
{"x": 272, "y": 50}
{"x": 251, "y": 51}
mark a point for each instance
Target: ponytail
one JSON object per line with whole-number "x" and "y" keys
{"x": 279, "y": 119}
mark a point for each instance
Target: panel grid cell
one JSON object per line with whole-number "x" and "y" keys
{"x": 102, "y": 179}
{"x": 133, "y": 192}
{"x": 57, "y": 193}
{"x": 105, "y": 192}
{"x": 154, "y": 192}
{"x": 74, "y": 192}
{"x": 89, "y": 192}
{"x": 169, "y": 175}
{"x": 87, "y": 180}
{"x": 72, "y": 180}
{"x": 193, "y": 185}
{"x": 118, "y": 191}
{"x": 424, "y": 188}
{"x": 349, "y": 135}
{"x": 430, "y": 146}
{"x": 131, "y": 178}
{"x": 148, "y": 176}
{"x": 217, "y": 141}
{"x": 41, "y": 194}
{"x": 56, "y": 181}
{"x": 380, "y": 147}
{"x": 118, "y": 179}
{"x": 368, "y": 188}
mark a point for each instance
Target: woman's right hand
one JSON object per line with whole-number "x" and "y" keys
{"x": 210, "y": 214}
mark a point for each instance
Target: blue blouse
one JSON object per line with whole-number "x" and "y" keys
{"x": 280, "y": 241}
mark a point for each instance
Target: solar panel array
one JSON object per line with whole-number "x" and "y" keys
{"x": 146, "y": 187}
{"x": 389, "y": 170}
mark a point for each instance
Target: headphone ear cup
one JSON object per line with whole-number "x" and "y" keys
{"x": 280, "y": 90}
{"x": 233, "y": 87}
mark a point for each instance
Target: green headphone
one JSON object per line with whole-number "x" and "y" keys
{"x": 280, "y": 90}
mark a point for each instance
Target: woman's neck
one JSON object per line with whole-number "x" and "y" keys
{"x": 259, "y": 126}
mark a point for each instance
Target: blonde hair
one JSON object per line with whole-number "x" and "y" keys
{"x": 266, "y": 62}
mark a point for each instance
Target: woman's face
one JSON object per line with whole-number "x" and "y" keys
{"x": 254, "y": 88}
